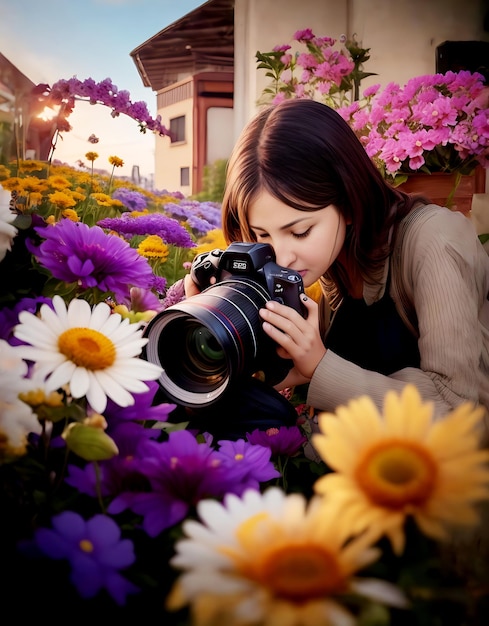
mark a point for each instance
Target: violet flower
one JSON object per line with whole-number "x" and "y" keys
{"x": 283, "y": 441}
{"x": 181, "y": 472}
{"x": 251, "y": 463}
{"x": 132, "y": 200}
{"x": 77, "y": 253}
{"x": 95, "y": 551}
{"x": 151, "y": 224}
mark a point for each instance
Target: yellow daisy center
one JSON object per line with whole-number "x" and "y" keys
{"x": 87, "y": 348}
{"x": 300, "y": 572}
{"x": 292, "y": 569}
{"x": 397, "y": 473}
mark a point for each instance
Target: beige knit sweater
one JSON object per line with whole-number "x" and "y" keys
{"x": 440, "y": 284}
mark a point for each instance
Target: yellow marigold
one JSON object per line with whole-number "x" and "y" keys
{"x": 13, "y": 184}
{"x": 61, "y": 200}
{"x": 32, "y": 183}
{"x": 70, "y": 214}
{"x": 58, "y": 182}
{"x": 154, "y": 247}
{"x": 4, "y": 172}
{"x": 91, "y": 156}
{"x": 35, "y": 198}
{"x": 78, "y": 196}
{"x": 32, "y": 166}
{"x": 211, "y": 240}
{"x": 138, "y": 213}
{"x": 116, "y": 161}
{"x": 102, "y": 199}
{"x": 403, "y": 464}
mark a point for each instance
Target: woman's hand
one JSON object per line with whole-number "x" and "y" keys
{"x": 190, "y": 287}
{"x": 297, "y": 338}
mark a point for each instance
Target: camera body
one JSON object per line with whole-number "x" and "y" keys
{"x": 207, "y": 343}
{"x": 255, "y": 260}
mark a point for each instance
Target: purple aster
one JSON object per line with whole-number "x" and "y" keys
{"x": 181, "y": 472}
{"x": 133, "y": 200}
{"x": 77, "y": 253}
{"x": 249, "y": 462}
{"x": 283, "y": 441}
{"x": 95, "y": 551}
{"x": 150, "y": 224}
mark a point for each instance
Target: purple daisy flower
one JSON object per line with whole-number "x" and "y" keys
{"x": 250, "y": 462}
{"x": 152, "y": 224}
{"x": 283, "y": 441}
{"x": 77, "y": 253}
{"x": 181, "y": 472}
{"x": 132, "y": 200}
{"x": 95, "y": 551}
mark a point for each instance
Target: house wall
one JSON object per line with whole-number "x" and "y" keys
{"x": 402, "y": 36}
{"x": 171, "y": 157}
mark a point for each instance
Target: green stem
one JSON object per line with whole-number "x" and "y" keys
{"x": 458, "y": 178}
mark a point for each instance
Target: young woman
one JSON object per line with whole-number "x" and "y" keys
{"x": 405, "y": 283}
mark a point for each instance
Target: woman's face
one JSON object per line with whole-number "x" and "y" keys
{"x": 305, "y": 241}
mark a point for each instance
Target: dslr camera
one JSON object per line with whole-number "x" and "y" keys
{"x": 208, "y": 342}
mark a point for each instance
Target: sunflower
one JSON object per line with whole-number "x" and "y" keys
{"x": 94, "y": 351}
{"x": 271, "y": 559}
{"x": 403, "y": 463}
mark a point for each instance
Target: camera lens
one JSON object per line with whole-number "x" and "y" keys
{"x": 209, "y": 340}
{"x": 203, "y": 358}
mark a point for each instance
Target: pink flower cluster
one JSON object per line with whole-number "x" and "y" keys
{"x": 322, "y": 68}
{"x": 66, "y": 92}
{"x": 435, "y": 123}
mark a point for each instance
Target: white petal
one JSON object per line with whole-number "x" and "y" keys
{"x": 101, "y": 316}
{"x": 80, "y": 382}
{"x": 380, "y": 590}
{"x": 60, "y": 376}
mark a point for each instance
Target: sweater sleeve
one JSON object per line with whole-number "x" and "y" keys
{"x": 446, "y": 273}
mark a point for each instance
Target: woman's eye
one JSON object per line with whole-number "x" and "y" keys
{"x": 302, "y": 235}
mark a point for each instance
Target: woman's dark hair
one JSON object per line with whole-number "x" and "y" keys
{"x": 304, "y": 154}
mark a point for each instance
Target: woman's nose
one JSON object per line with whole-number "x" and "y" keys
{"x": 284, "y": 256}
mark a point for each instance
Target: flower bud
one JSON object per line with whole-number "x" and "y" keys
{"x": 89, "y": 443}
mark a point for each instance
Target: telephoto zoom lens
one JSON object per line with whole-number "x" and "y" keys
{"x": 205, "y": 343}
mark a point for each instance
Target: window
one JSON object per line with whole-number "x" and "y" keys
{"x": 184, "y": 176}
{"x": 177, "y": 129}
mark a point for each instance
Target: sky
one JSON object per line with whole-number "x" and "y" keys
{"x": 49, "y": 40}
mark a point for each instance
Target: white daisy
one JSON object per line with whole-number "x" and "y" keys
{"x": 93, "y": 350}
{"x": 272, "y": 559}
{"x": 17, "y": 419}
{"x": 7, "y": 231}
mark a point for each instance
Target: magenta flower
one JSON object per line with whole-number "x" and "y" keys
{"x": 95, "y": 551}
{"x": 435, "y": 123}
{"x": 283, "y": 441}
{"x": 77, "y": 253}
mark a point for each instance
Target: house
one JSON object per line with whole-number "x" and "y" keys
{"x": 203, "y": 66}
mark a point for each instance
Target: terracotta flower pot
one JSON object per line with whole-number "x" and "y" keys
{"x": 439, "y": 188}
